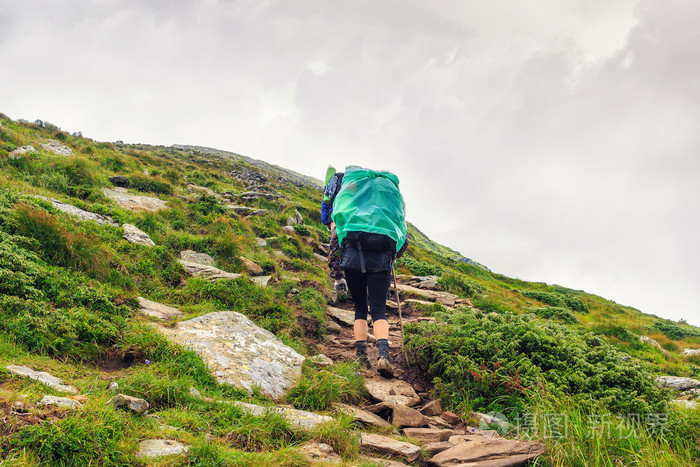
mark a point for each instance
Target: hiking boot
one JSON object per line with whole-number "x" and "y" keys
{"x": 384, "y": 367}
{"x": 363, "y": 361}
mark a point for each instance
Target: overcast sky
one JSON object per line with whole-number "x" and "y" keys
{"x": 553, "y": 141}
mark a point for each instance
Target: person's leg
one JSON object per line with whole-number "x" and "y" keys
{"x": 357, "y": 284}
{"x": 378, "y": 285}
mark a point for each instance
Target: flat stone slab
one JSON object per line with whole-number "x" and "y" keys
{"x": 157, "y": 310}
{"x": 677, "y": 382}
{"x": 362, "y": 416}
{"x": 383, "y": 444}
{"x": 238, "y": 352}
{"x": 60, "y": 402}
{"x": 137, "y": 236}
{"x": 342, "y": 316}
{"x": 393, "y": 391}
{"x": 160, "y": 447}
{"x": 445, "y": 298}
{"x": 42, "y": 377}
{"x": 79, "y": 213}
{"x": 301, "y": 418}
{"x": 209, "y": 273}
{"x": 133, "y": 202}
{"x": 482, "y": 452}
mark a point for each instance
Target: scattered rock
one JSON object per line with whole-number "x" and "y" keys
{"x": 407, "y": 417}
{"x": 42, "y": 377}
{"x": 240, "y": 353}
{"x": 685, "y": 404}
{"x": 252, "y": 268}
{"x": 261, "y": 280}
{"x": 392, "y": 391}
{"x": 160, "y": 447}
{"x": 296, "y": 219}
{"x": 79, "y": 213}
{"x": 23, "y": 150}
{"x": 321, "y": 360}
{"x": 134, "y": 404}
{"x": 385, "y": 445}
{"x": 241, "y": 210}
{"x": 157, "y": 310}
{"x": 428, "y": 435}
{"x": 57, "y": 148}
{"x": 432, "y": 408}
{"x": 342, "y": 316}
{"x": 259, "y": 212}
{"x": 202, "y": 189}
{"x": 261, "y": 242}
{"x": 251, "y": 195}
{"x": 479, "y": 451}
{"x": 60, "y": 402}
{"x": 332, "y": 326}
{"x": 450, "y": 417}
{"x": 445, "y": 298}
{"x": 691, "y": 352}
{"x": 134, "y": 202}
{"x": 288, "y": 229}
{"x": 362, "y": 416}
{"x": 209, "y": 273}
{"x": 652, "y": 342}
{"x": 301, "y": 418}
{"x": 486, "y": 420}
{"x": 316, "y": 452}
{"x": 320, "y": 258}
{"x": 120, "y": 181}
{"x": 135, "y": 235}
{"x": 192, "y": 256}
{"x": 677, "y": 382}
{"x": 113, "y": 387}
{"x": 195, "y": 393}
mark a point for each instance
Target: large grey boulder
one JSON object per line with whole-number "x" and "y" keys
{"x": 42, "y": 377}
{"x": 678, "y": 383}
{"x": 240, "y": 353}
{"x": 300, "y": 418}
{"x": 79, "y": 213}
{"x": 57, "y": 148}
{"x": 137, "y": 236}
{"x": 133, "y": 202}
{"x": 157, "y": 310}
{"x": 160, "y": 447}
{"x": 482, "y": 452}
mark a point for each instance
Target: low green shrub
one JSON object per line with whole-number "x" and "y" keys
{"x": 458, "y": 284}
{"x": 676, "y": 332}
{"x": 86, "y": 438}
{"x": 557, "y": 300}
{"x": 493, "y": 359}
{"x": 418, "y": 267}
{"x": 560, "y": 314}
{"x": 150, "y": 184}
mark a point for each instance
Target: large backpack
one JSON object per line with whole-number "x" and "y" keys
{"x": 371, "y": 202}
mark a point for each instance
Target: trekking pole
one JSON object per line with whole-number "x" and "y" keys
{"x": 398, "y": 301}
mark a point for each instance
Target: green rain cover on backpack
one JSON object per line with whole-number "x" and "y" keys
{"x": 370, "y": 201}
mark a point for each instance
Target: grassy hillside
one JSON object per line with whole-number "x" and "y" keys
{"x": 68, "y": 305}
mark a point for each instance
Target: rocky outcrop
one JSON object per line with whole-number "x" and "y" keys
{"x": 42, "y": 377}
{"x": 23, "y": 150}
{"x": 137, "y": 236}
{"x": 362, "y": 416}
{"x": 157, "y": 310}
{"x": 677, "y": 382}
{"x": 240, "y": 353}
{"x": 134, "y": 202}
{"x": 653, "y": 343}
{"x": 57, "y": 148}
{"x": 79, "y": 213}
{"x": 691, "y": 352}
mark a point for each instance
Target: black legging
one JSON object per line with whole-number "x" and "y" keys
{"x": 374, "y": 284}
